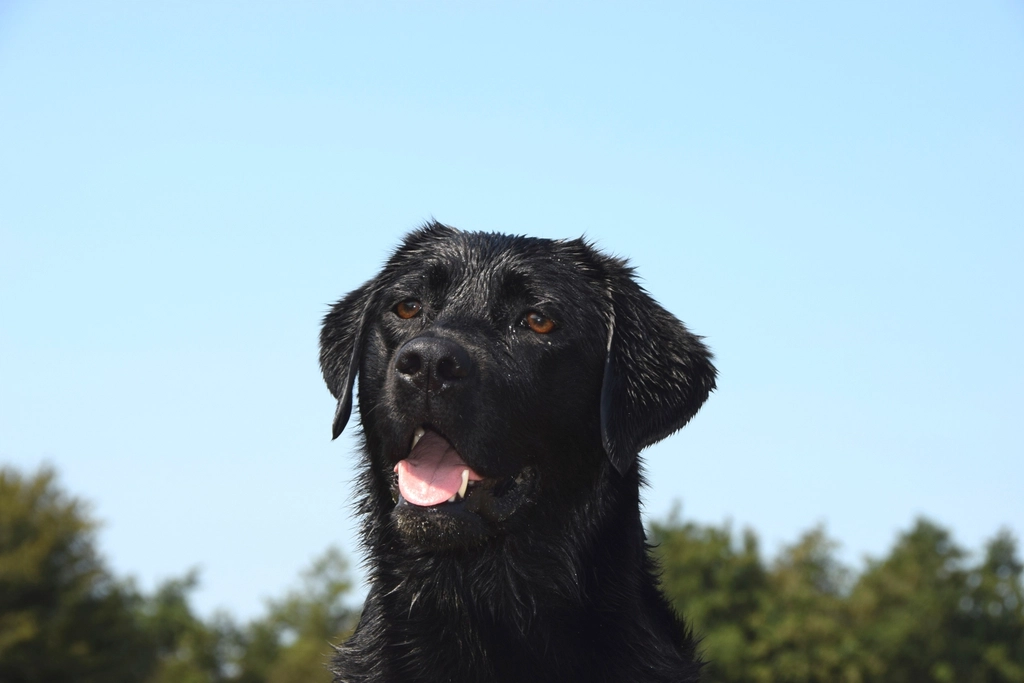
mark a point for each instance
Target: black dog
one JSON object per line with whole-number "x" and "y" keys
{"x": 506, "y": 385}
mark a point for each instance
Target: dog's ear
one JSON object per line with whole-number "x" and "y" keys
{"x": 657, "y": 373}
{"x": 343, "y": 334}
{"x": 341, "y": 344}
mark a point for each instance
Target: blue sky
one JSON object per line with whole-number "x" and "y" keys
{"x": 832, "y": 194}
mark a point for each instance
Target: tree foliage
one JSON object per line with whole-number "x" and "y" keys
{"x": 64, "y": 617}
{"x": 291, "y": 644}
{"x": 924, "y": 613}
{"x": 929, "y": 611}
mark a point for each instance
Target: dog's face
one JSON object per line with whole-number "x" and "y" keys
{"x": 503, "y": 381}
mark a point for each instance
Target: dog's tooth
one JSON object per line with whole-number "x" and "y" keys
{"x": 465, "y": 484}
{"x": 417, "y": 435}
{"x": 452, "y": 499}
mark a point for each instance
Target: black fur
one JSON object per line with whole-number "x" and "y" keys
{"x": 548, "y": 577}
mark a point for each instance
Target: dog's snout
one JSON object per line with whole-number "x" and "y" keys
{"x": 433, "y": 362}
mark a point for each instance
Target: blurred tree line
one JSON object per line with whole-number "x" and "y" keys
{"x": 64, "y": 617}
{"x": 926, "y": 612}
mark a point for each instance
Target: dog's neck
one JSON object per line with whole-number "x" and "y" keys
{"x": 475, "y": 613}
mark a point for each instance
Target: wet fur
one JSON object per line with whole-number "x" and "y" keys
{"x": 565, "y": 589}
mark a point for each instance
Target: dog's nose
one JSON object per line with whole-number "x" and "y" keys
{"x": 433, "y": 362}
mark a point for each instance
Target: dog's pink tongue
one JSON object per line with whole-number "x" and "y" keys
{"x": 433, "y": 471}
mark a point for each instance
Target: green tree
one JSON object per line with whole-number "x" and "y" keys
{"x": 188, "y": 649}
{"x": 63, "y": 617}
{"x": 991, "y": 615}
{"x": 719, "y": 584}
{"x": 928, "y": 616}
{"x": 905, "y": 607}
{"x": 803, "y": 627}
{"x": 292, "y": 643}
{"x": 785, "y": 623}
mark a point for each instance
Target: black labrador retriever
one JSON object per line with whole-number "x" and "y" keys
{"x": 506, "y": 386}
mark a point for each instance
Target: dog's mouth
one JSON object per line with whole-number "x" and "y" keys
{"x": 434, "y": 476}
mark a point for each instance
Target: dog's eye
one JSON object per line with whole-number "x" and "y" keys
{"x": 541, "y": 324}
{"x": 410, "y": 308}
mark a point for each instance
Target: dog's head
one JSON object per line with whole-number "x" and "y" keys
{"x": 501, "y": 378}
